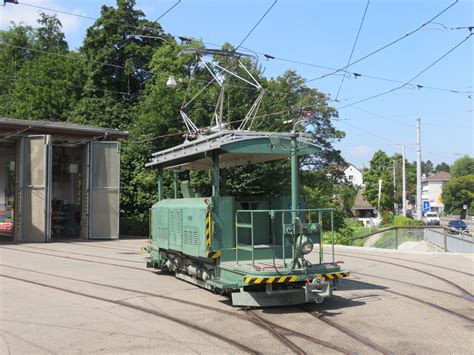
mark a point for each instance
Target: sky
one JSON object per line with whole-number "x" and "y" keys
{"x": 322, "y": 33}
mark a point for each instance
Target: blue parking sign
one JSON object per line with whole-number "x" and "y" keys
{"x": 426, "y": 206}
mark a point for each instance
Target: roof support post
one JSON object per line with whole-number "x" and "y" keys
{"x": 160, "y": 185}
{"x": 175, "y": 184}
{"x": 294, "y": 175}
{"x": 215, "y": 179}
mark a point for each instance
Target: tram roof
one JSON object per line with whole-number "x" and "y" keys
{"x": 235, "y": 148}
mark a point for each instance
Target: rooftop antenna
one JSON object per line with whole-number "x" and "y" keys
{"x": 219, "y": 74}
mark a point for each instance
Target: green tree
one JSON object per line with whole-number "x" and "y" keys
{"x": 427, "y": 167}
{"x": 124, "y": 40}
{"x": 42, "y": 85}
{"x": 12, "y": 58}
{"x": 442, "y": 167}
{"x": 463, "y": 166}
{"x": 380, "y": 169}
{"x": 457, "y": 192}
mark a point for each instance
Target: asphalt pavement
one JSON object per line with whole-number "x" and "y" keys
{"x": 98, "y": 297}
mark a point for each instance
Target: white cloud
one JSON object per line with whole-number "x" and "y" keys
{"x": 28, "y": 15}
{"x": 360, "y": 151}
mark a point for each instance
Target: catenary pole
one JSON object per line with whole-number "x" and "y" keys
{"x": 404, "y": 187}
{"x": 394, "y": 189}
{"x": 418, "y": 170}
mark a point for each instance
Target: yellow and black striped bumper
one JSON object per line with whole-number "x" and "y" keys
{"x": 293, "y": 278}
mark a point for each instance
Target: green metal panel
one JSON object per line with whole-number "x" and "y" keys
{"x": 191, "y": 231}
{"x": 178, "y": 224}
{"x": 268, "y": 146}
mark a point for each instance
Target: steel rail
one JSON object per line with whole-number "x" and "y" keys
{"x": 362, "y": 339}
{"x": 191, "y": 303}
{"x": 412, "y": 285}
{"x": 276, "y": 334}
{"x": 144, "y": 310}
{"x": 413, "y": 261}
{"x": 461, "y": 289}
{"x": 77, "y": 259}
{"x": 443, "y": 309}
{"x": 82, "y": 254}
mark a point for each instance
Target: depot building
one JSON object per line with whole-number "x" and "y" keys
{"x": 58, "y": 181}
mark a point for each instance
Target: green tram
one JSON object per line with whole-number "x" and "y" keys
{"x": 254, "y": 249}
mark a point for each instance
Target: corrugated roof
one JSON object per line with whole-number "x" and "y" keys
{"x": 361, "y": 203}
{"x": 442, "y": 175}
{"x": 57, "y": 128}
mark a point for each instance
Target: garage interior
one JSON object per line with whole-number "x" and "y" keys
{"x": 58, "y": 181}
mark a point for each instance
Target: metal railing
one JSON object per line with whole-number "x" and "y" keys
{"x": 245, "y": 220}
{"x": 442, "y": 238}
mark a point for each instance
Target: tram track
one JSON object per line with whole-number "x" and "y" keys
{"x": 463, "y": 297}
{"x": 432, "y": 305}
{"x": 456, "y": 286}
{"x": 153, "y": 312}
{"x": 411, "y": 261}
{"x": 82, "y": 254}
{"x": 92, "y": 244}
{"x": 360, "y": 338}
{"x": 246, "y": 317}
{"x": 251, "y": 319}
{"x": 275, "y": 332}
{"x": 77, "y": 259}
{"x": 440, "y": 308}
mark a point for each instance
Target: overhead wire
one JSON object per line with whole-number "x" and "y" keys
{"x": 268, "y": 56}
{"x": 388, "y": 44}
{"x": 166, "y": 12}
{"x": 404, "y": 84}
{"x": 48, "y": 82}
{"x": 410, "y": 80}
{"x": 140, "y": 28}
{"x": 357, "y": 75}
{"x": 379, "y": 94}
{"x": 255, "y": 26}
{"x": 353, "y": 46}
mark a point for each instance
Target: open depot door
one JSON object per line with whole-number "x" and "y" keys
{"x": 103, "y": 190}
{"x": 33, "y": 221}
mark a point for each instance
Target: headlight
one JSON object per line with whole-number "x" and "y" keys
{"x": 306, "y": 247}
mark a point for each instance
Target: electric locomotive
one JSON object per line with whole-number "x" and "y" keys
{"x": 254, "y": 249}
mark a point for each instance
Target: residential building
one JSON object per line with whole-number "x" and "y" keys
{"x": 354, "y": 175}
{"x": 364, "y": 211}
{"x": 432, "y": 188}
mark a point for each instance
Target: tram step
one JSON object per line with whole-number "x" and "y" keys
{"x": 221, "y": 284}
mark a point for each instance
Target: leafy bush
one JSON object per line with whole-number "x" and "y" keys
{"x": 342, "y": 236}
{"x": 387, "y": 218}
{"x": 405, "y": 221}
{"x": 133, "y": 226}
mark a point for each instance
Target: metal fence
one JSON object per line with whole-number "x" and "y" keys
{"x": 399, "y": 237}
{"x": 449, "y": 241}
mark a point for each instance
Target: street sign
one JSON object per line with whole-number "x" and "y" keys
{"x": 426, "y": 206}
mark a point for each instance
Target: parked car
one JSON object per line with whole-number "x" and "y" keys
{"x": 431, "y": 218}
{"x": 457, "y": 226}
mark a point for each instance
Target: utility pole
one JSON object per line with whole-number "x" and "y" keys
{"x": 394, "y": 190}
{"x": 404, "y": 189}
{"x": 378, "y": 200}
{"x": 418, "y": 171}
